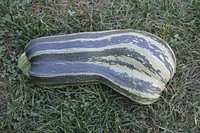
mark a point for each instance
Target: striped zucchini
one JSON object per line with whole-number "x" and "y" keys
{"x": 136, "y": 64}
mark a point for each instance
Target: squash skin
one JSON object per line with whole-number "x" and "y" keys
{"x": 136, "y": 64}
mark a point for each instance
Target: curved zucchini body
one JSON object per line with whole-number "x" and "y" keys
{"x": 136, "y": 64}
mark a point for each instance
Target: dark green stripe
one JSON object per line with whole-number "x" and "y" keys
{"x": 74, "y": 36}
{"x": 54, "y": 73}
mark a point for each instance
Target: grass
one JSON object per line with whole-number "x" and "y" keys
{"x": 25, "y": 107}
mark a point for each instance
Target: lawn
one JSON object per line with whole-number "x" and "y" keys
{"x": 90, "y": 108}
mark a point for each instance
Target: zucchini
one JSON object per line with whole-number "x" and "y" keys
{"x": 135, "y": 63}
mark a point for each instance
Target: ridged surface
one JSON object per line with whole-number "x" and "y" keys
{"x": 137, "y": 64}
